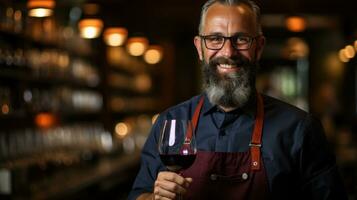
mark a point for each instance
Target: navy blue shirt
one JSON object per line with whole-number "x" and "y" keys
{"x": 297, "y": 160}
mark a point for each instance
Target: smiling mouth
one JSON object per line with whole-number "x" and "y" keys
{"x": 227, "y": 66}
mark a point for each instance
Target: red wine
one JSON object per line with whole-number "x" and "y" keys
{"x": 178, "y": 162}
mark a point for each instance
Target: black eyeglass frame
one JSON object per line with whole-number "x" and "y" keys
{"x": 231, "y": 38}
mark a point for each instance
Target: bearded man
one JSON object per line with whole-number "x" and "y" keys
{"x": 249, "y": 146}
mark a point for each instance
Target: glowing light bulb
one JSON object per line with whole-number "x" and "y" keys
{"x": 90, "y": 28}
{"x": 153, "y": 55}
{"x": 115, "y": 36}
{"x": 137, "y": 46}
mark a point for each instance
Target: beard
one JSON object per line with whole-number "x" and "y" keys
{"x": 230, "y": 90}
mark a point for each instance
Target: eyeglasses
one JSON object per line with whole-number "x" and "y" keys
{"x": 239, "y": 42}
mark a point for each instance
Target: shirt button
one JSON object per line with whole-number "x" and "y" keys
{"x": 244, "y": 176}
{"x": 213, "y": 177}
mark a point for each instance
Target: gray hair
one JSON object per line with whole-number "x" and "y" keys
{"x": 255, "y": 8}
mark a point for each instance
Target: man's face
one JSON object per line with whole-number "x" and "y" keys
{"x": 228, "y": 71}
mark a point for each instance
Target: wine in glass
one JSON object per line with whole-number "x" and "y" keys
{"x": 177, "y": 144}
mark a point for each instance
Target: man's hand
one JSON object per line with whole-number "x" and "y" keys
{"x": 169, "y": 185}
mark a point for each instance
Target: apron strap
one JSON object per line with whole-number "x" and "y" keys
{"x": 196, "y": 116}
{"x": 256, "y": 141}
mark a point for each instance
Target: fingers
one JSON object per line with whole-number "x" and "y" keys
{"x": 171, "y": 176}
{"x": 160, "y": 193}
{"x": 171, "y": 186}
{"x": 161, "y": 198}
{"x": 168, "y": 185}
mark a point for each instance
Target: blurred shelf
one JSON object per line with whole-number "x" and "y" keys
{"x": 120, "y": 104}
{"x": 25, "y": 41}
{"x": 72, "y": 180}
{"x": 25, "y": 75}
{"x": 18, "y": 121}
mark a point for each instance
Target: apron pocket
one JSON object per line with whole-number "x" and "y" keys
{"x": 232, "y": 178}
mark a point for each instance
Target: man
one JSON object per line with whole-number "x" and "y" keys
{"x": 250, "y": 146}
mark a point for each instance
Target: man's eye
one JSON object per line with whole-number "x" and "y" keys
{"x": 242, "y": 40}
{"x": 215, "y": 39}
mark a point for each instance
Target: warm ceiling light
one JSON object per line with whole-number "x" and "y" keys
{"x": 137, "y": 45}
{"x": 90, "y": 28}
{"x": 40, "y": 8}
{"x": 115, "y": 36}
{"x": 153, "y": 55}
{"x": 350, "y": 51}
{"x": 342, "y": 56}
{"x": 295, "y": 23}
{"x": 122, "y": 129}
{"x": 40, "y": 4}
{"x": 40, "y": 12}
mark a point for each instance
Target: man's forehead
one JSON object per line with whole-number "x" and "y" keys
{"x": 218, "y": 8}
{"x": 219, "y": 14}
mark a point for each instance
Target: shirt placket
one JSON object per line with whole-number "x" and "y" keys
{"x": 223, "y": 121}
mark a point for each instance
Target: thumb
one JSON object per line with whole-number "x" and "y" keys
{"x": 188, "y": 181}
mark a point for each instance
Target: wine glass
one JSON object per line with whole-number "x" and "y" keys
{"x": 177, "y": 144}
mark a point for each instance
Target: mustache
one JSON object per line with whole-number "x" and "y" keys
{"x": 229, "y": 61}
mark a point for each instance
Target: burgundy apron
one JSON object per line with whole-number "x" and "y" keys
{"x": 229, "y": 175}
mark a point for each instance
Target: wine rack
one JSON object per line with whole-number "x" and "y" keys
{"x": 63, "y": 100}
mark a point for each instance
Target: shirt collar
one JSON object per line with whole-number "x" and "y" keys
{"x": 249, "y": 109}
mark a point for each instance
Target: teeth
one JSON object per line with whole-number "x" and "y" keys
{"x": 227, "y": 66}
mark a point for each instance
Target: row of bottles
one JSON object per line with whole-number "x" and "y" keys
{"x": 58, "y": 99}
{"x": 62, "y": 99}
{"x": 17, "y": 144}
{"x": 48, "y": 63}
{"x": 28, "y": 146}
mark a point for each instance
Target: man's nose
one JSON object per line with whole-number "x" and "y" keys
{"x": 228, "y": 50}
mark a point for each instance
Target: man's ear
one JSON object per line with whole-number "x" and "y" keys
{"x": 197, "y": 42}
{"x": 260, "y": 46}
